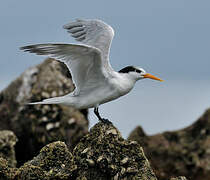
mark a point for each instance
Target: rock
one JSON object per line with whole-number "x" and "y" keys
{"x": 103, "y": 154}
{"x": 99, "y": 155}
{"x": 53, "y": 162}
{"x": 38, "y": 125}
{"x": 179, "y": 178}
{"x": 6, "y": 172}
{"x": 7, "y": 143}
{"x": 184, "y": 152}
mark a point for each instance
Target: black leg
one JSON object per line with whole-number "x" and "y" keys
{"x": 99, "y": 117}
{"x": 97, "y": 113}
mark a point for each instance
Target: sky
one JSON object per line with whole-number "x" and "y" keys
{"x": 169, "y": 39}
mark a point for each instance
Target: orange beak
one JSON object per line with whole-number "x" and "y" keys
{"x": 152, "y": 77}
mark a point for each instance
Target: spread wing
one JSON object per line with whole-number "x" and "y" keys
{"x": 83, "y": 61}
{"x": 94, "y": 33}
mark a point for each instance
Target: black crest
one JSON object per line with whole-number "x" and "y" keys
{"x": 129, "y": 69}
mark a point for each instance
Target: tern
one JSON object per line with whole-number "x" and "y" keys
{"x": 95, "y": 80}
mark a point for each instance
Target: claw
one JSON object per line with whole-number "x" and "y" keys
{"x": 105, "y": 121}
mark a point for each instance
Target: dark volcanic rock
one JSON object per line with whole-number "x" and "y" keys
{"x": 7, "y": 143}
{"x": 53, "y": 162}
{"x": 6, "y": 172}
{"x": 103, "y": 154}
{"x": 183, "y": 152}
{"x": 38, "y": 125}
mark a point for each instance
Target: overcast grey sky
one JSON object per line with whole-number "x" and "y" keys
{"x": 170, "y": 39}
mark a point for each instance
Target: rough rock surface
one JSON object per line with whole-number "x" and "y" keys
{"x": 6, "y": 172}
{"x": 102, "y": 155}
{"x": 38, "y": 125}
{"x": 53, "y": 162}
{"x": 184, "y": 152}
{"x": 7, "y": 151}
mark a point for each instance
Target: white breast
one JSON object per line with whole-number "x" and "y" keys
{"x": 114, "y": 88}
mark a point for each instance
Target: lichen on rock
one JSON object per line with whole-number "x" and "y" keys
{"x": 6, "y": 172}
{"x": 7, "y": 143}
{"x": 53, "y": 162}
{"x": 104, "y": 154}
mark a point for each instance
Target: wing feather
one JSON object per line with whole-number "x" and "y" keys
{"x": 95, "y": 33}
{"x": 84, "y": 62}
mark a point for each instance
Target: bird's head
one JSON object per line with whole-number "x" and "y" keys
{"x": 137, "y": 73}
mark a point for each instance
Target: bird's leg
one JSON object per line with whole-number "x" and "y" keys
{"x": 99, "y": 117}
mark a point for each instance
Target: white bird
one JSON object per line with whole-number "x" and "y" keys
{"x": 95, "y": 81}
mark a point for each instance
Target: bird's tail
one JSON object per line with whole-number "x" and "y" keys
{"x": 55, "y": 100}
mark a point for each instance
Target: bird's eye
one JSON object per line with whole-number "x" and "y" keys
{"x": 138, "y": 71}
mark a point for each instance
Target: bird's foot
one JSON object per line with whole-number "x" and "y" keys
{"x": 105, "y": 121}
